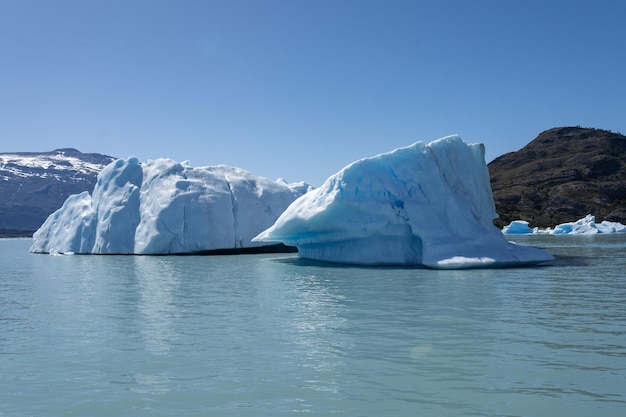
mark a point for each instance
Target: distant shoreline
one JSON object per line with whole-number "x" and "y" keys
{"x": 16, "y": 233}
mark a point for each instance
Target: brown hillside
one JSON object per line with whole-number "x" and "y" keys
{"x": 562, "y": 175}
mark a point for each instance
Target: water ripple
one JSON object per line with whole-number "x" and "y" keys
{"x": 274, "y": 335}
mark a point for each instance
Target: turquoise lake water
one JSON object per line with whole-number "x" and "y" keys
{"x": 273, "y": 335}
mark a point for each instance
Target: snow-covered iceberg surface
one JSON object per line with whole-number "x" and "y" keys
{"x": 421, "y": 205}
{"x": 585, "y": 226}
{"x": 166, "y": 207}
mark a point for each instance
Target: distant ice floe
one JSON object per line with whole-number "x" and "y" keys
{"x": 585, "y": 226}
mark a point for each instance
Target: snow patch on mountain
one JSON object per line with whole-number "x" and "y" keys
{"x": 55, "y": 164}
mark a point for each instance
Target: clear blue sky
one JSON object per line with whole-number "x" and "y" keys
{"x": 300, "y": 88}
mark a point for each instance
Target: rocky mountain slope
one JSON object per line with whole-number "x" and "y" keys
{"x": 562, "y": 175}
{"x": 33, "y": 185}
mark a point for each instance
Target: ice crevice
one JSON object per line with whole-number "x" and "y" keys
{"x": 233, "y": 205}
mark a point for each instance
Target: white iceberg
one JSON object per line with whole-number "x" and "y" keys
{"x": 166, "y": 207}
{"x": 588, "y": 226}
{"x": 585, "y": 226}
{"x": 421, "y": 205}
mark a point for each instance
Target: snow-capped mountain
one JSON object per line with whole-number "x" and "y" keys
{"x": 33, "y": 185}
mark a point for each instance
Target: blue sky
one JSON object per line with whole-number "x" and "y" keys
{"x": 300, "y": 88}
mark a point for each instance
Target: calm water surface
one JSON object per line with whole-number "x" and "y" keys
{"x": 272, "y": 335}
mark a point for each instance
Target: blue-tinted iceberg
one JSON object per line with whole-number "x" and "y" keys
{"x": 585, "y": 226}
{"x": 517, "y": 227}
{"x": 165, "y": 207}
{"x": 421, "y": 205}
